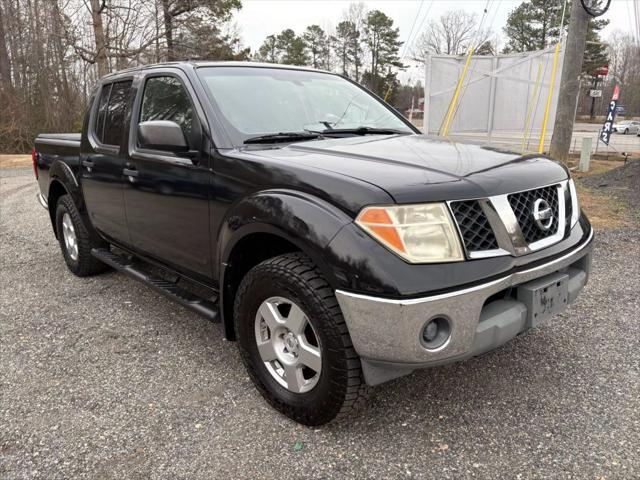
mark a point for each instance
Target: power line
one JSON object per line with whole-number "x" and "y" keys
{"x": 415, "y": 20}
{"x": 424, "y": 19}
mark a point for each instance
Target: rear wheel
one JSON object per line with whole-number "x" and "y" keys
{"x": 294, "y": 341}
{"x": 75, "y": 240}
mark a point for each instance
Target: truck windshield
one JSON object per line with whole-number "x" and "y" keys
{"x": 261, "y": 101}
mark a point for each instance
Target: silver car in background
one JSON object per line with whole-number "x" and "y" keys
{"x": 627, "y": 126}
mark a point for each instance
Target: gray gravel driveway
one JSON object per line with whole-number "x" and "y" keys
{"x": 102, "y": 378}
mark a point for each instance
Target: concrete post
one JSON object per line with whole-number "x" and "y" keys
{"x": 585, "y": 154}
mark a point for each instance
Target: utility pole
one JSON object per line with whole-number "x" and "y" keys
{"x": 570, "y": 82}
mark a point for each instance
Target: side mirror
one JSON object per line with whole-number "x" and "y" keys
{"x": 162, "y": 135}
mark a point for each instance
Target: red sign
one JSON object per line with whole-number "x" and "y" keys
{"x": 603, "y": 71}
{"x": 616, "y": 92}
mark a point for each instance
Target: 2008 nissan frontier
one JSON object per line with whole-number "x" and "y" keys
{"x": 339, "y": 246}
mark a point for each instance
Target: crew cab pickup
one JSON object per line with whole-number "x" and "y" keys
{"x": 336, "y": 244}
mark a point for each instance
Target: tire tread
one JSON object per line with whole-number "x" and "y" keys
{"x": 300, "y": 269}
{"x": 87, "y": 264}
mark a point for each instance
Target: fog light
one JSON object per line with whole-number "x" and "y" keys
{"x": 436, "y": 333}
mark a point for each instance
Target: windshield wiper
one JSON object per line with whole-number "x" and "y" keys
{"x": 362, "y": 131}
{"x": 283, "y": 137}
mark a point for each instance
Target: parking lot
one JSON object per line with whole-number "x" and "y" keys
{"x": 102, "y": 378}
{"x": 513, "y": 140}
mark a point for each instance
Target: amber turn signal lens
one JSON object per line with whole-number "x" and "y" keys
{"x": 421, "y": 233}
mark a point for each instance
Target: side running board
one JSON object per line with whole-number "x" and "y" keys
{"x": 206, "y": 308}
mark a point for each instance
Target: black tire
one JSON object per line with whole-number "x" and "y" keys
{"x": 85, "y": 265}
{"x": 340, "y": 388}
{"x": 626, "y": 130}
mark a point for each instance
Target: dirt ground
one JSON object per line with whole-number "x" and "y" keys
{"x": 10, "y": 161}
{"x": 610, "y": 192}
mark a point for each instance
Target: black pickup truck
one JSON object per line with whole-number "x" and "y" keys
{"x": 339, "y": 246}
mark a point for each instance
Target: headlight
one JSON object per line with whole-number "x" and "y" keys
{"x": 418, "y": 233}
{"x": 575, "y": 208}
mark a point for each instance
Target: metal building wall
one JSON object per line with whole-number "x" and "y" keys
{"x": 498, "y": 94}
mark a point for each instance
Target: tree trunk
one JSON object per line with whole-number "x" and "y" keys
{"x": 168, "y": 29}
{"x": 5, "y": 66}
{"x": 102, "y": 57}
{"x": 569, "y": 83}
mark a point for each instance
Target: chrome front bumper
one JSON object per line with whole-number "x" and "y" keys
{"x": 387, "y": 333}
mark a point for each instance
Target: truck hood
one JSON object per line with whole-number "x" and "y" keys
{"x": 417, "y": 168}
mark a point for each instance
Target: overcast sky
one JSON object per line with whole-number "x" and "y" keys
{"x": 259, "y": 18}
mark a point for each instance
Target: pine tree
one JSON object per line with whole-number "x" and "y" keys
{"x": 382, "y": 40}
{"x": 269, "y": 51}
{"x": 346, "y": 45}
{"x": 383, "y": 45}
{"x": 533, "y": 25}
{"x": 317, "y": 44}
{"x": 292, "y": 48}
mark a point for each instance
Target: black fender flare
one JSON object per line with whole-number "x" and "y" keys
{"x": 61, "y": 172}
{"x": 304, "y": 220}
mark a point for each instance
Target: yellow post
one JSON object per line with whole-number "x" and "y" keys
{"x": 386, "y": 95}
{"x": 556, "y": 54}
{"x": 444, "y": 128}
{"x": 531, "y": 107}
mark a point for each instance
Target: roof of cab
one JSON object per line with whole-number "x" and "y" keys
{"x": 212, "y": 63}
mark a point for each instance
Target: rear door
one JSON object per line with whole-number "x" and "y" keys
{"x": 102, "y": 160}
{"x": 167, "y": 198}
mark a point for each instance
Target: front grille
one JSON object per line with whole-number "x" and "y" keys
{"x": 568, "y": 209}
{"x": 522, "y": 205}
{"x": 474, "y": 226}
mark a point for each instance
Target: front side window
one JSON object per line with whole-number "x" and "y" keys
{"x": 165, "y": 98}
{"x": 261, "y": 101}
{"x": 115, "y": 114}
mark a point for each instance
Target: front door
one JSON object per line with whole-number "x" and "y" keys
{"x": 102, "y": 164}
{"x": 167, "y": 196}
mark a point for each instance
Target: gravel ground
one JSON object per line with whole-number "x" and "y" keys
{"x": 623, "y": 182}
{"x": 102, "y": 378}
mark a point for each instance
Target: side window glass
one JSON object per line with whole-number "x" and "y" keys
{"x": 166, "y": 99}
{"x": 115, "y": 113}
{"x": 98, "y": 128}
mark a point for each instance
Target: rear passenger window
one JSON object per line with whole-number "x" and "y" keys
{"x": 166, "y": 99}
{"x": 115, "y": 114}
{"x": 98, "y": 128}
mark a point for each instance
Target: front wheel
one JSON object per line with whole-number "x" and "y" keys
{"x": 76, "y": 241}
{"x": 626, "y": 130}
{"x": 294, "y": 341}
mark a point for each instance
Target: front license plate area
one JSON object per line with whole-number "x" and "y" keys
{"x": 544, "y": 297}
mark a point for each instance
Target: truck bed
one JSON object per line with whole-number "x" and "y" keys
{"x": 70, "y": 139}
{"x": 52, "y": 147}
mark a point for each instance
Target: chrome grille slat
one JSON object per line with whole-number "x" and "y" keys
{"x": 522, "y": 205}
{"x": 504, "y": 224}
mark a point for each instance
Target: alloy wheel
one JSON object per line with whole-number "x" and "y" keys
{"x": 288, "y": 345}
{"x": 69, "y": 235}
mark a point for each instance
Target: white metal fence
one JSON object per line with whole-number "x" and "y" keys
{"x": 502, "y": 95}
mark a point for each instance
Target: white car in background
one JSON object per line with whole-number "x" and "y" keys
{"x": 627, "y": 126}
